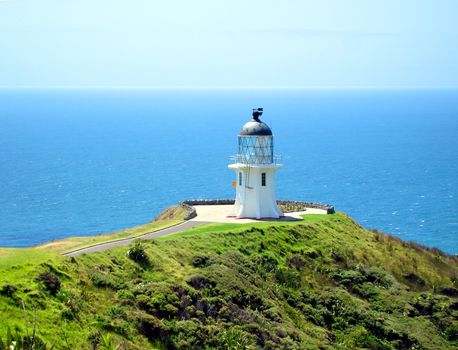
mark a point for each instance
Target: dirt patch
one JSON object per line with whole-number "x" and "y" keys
{"x": 175, "y": 212}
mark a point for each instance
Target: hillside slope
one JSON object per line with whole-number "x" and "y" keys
{"x": 321, "y": 283}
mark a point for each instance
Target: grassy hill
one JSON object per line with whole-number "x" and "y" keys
{"x": 169, "y": 217}
{"x": 320, "y": 283}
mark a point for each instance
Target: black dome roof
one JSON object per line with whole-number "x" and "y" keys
{"x": 256, "y": 127}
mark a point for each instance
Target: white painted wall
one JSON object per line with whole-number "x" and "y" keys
{"x": 253, "y": 200}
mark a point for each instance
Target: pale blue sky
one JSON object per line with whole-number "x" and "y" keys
{"x": 237, "y": 43}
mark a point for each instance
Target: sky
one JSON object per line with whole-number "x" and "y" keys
{"x": 236, "y": 43}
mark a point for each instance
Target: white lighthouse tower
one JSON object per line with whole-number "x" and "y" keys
{"x": 255, "y": 167}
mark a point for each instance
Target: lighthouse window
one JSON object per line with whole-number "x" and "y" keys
{"x": 240, "y": 179}
{"x": 263, "y": 179}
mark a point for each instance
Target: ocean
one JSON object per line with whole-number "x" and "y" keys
{"x": 83, "y": 162}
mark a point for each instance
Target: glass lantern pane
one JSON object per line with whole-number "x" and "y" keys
{"x": 255, "y": 149}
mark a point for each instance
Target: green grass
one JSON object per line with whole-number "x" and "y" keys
{"x": 16, "y": 264}
{"x": 169, "y": 217}
{"x": 320, "y": 283}
{"x": 226, "y": 227}
{"x": 74, "y": 243}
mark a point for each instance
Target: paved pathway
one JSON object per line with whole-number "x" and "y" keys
{"x": 219, "y": 213}
{"x": 205, "y": 214}
{"x": 161, "y": 233}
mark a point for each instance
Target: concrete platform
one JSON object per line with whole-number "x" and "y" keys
{"x": 222, "y": 213}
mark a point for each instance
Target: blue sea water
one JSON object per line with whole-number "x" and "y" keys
{"x": 83, "y": 162}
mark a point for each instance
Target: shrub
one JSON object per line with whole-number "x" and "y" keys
{"x": 311, "y": 253}
{"x": 427, "y": 304}
{"x": 137, "y": 253}
{"x": 265, "y": 339}
{"x": 362, "y": 280}
{"x": 288, "y": 278}
{"x": 72, "y": 305}
{"x": 200, "y": 282}
{"x": 235, "y": 339}
{"x": 366, "y": 290}
{"x": 339, "y": 256}
{"x": 266, "y": 262}
{"x": 158, "y": 299}
{"x": 450, "y": 291}
{"x": 102, "y": 280}
{"x": 50, "y": 282}
{"x": 359, "y": 337}
{"x": 451, "y": 332}
{"x": 296, "y": 261}
{"x": 273, "y": 314}
{"x": 117, "y": 312}
{"x": 8, "y": 290}
{"x": 94, "y": 339}
{"x": 125, "y": 296}
{"x": 107, "y": 342}
{"x": 415, "y": 279}
{"x": 149, "y": 325}
{"x": 200, "y": 260}
{"x": 22, "y": 342}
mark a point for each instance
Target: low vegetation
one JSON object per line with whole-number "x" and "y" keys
{"x": 321, "y": 283}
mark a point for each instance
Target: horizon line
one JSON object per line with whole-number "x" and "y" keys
{"x": 152, "y": 87}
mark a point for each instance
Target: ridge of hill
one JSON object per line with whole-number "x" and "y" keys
{"x": 320, "y": 283}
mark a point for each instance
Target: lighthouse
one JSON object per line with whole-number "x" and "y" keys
{"x": 255, "y": 167}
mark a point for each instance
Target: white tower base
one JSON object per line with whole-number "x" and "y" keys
{"x": 255, "y": 191}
